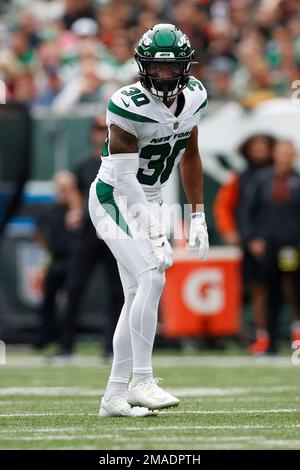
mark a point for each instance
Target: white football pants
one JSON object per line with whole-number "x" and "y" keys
{"x": 141, "y": 281}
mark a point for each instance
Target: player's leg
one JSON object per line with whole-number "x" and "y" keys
{"x": 143, "y": 322}
{"x": 127, "y": 254}
{"x": 115, "y": 295}
{"x": 144, "y": 389}
{"x": 138, "y": 321}
{"x": 137, "y": 256}
{"x": 114, "y": 402}
{"x": 122, "y": 350}
{"x": 138, "y": 271}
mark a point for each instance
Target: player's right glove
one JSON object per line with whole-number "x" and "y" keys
{"x": 163, "y": 252}
{"x": 198, "y": 230}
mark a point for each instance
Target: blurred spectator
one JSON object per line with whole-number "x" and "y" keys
{"x": 24, "y": 89}
{"x": 51, "y": 90}
{"x": 229, "y": 211}
{"x": 273, "y": 220}
{"x": 247, "y": 49}
{"x": 89, "y": 88}
{"x": 85, "y": 27}
{"x": 194, "y": 22}
{"x": 28, "y": 25}
{"x": 53, "y": 234}
{"x": 21, "y": 48}
{"x": 76, "y": 9}
{"x": 86, "y": 254}
{"x": 218, "y": 78}
{"x": 123, "y": 68}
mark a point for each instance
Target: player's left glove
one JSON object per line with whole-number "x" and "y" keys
{"x": 198, "y": 229}
{"x": 163, "y": 252}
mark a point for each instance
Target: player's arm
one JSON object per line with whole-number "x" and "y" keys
{"x": 125, "y": 158}
{"x": 192, "y": 180}
{"x": 191, "y": 173}
{"x": 121, "y": 141}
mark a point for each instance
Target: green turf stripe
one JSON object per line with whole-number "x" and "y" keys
{"x": 201, "y": 106}
{"x": 105, "y": 194}
{"x": 127, "y": 114}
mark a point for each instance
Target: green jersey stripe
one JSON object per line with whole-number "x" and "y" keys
{"x": 127, "y": 114}
{"x": 105, "y": 151}
{"x": 201, "y": 106}
{"x": 105, "y": 194}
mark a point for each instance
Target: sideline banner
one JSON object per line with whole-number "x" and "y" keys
{"x": 202, "y": 298}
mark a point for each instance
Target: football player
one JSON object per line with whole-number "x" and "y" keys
{"x": 152, "y": 126}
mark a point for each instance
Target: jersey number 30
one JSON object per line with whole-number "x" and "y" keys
{"x": 163, "y": 165}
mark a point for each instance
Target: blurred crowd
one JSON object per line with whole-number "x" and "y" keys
{"x": 64, "y": 53}
{"x": 258, "y": 210}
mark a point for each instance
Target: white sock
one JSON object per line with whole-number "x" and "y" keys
{"x": 138, "y": 377}
{"x": 114, "y": 388}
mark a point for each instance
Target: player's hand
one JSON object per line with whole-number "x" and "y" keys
{"x": 163, "y": 252}
{"x": 198, "y": 230}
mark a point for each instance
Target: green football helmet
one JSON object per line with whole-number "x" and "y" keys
{"x": 164, "y": 46}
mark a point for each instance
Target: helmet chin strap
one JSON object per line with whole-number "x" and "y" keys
{"x": 164, "y": 94}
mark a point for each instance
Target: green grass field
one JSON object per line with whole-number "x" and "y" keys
{"x": 227, "y": 402}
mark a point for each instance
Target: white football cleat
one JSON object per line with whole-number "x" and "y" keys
{"x": 147, "y": 393}
{"x": 118, "y": 406}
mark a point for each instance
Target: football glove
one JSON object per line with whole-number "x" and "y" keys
{"x": 163, "y": 252}
{"x": 198, "y": 229}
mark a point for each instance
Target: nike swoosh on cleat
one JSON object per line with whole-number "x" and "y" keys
{"x": 126, "y": 104}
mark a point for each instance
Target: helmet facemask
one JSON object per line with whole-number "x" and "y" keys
{"x": 165, "y": 79}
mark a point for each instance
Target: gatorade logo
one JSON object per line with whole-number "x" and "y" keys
{"x": 203, "y": 291}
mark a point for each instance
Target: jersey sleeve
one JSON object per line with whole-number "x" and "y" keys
{"x": 118, "y": 114}
{"x": 201, "y": 103}
{"x": 197, "y": 97}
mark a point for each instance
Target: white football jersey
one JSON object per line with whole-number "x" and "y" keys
{"x": 161, "y": 136}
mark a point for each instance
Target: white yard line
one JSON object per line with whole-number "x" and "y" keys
{"x": 28, "y": 415}
{"x": 179, "y": 391}
{"x": 206, "y": 427}
{"x": 212, "y": 442}
{"x": 174, "y": 412}
{"x": 49, "y": 391}
{"x": 68, "y": 400}
{"x": 158, "y": 361}
{"x": 206, "y": 391}
{"x": 163, "y": 428}
{"x": 256, "y": 411}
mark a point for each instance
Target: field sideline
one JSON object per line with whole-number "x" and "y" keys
{"x": 227, "y": 402}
